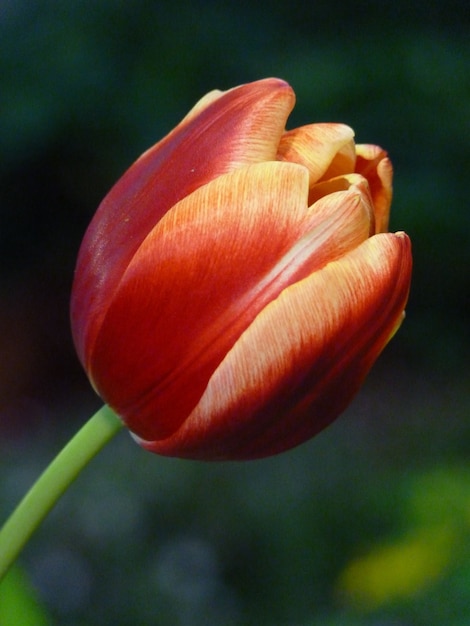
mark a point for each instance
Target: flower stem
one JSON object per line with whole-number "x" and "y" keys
{"x": 53, "y": 482}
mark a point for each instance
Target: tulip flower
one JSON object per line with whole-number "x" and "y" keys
{"x": 238, "y": 282}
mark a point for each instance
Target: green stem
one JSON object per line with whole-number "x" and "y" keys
{"x": 53, "y": 482}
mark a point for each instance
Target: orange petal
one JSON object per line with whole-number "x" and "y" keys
{"x": 372, "y": 163}
{"x": 222, "y": 133}
{"x": 201, "y": 277}
{"x": 299, "y": 364}
{"x": 326, "y": 150}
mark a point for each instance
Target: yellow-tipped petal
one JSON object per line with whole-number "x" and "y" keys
{"x": 326, "y": 150}
{"x": 182, "y": 301}
{"x": 372, "y": 163}
{"x": 302, "y": 360}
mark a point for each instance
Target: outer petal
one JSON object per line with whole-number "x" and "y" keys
{"x": 202, "y": 276}
{"x": 326, "y": 150}
{"x": 372, "y": 163}
{"x": 222, "y": 133}
{"x": 302, "y": 360}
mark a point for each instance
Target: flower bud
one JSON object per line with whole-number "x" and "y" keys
{"x": 236, "y": 285}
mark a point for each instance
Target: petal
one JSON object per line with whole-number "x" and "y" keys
{"x": 222, "y": 133}
{"x": 344, "y": 183}
{"x": 302, "y": 360}
{"x": 372, "y": 163}
{"x": 200, "y": 279}
{"x": 326, "y": 150}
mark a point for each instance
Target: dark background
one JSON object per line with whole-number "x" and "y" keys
{"x": 370, "y": 522}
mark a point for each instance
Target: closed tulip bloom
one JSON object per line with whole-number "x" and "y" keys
{"x": 238, "y": 282}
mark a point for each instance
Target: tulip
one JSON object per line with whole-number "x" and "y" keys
{"x": 238, "y": 282}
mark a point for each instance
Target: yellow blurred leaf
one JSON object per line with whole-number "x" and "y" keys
{"x": 397, "y": 571}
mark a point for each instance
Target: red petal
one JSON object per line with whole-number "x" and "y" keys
{"x": 302, "y": 360}
{"x": 222, "y": 133}
{"x": 373, "y": 164}
{"x": 201, "y": 277}
{"x": 326, "y": 150}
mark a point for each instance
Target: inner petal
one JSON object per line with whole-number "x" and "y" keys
{"x": 326, "y": 150}
{"x": 343, "y": 183}
{"x": 374, "y": 164}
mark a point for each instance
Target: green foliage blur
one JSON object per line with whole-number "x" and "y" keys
{"x": 368, "y": 524}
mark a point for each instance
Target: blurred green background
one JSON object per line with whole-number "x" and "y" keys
{"x": 369, "y": 523}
